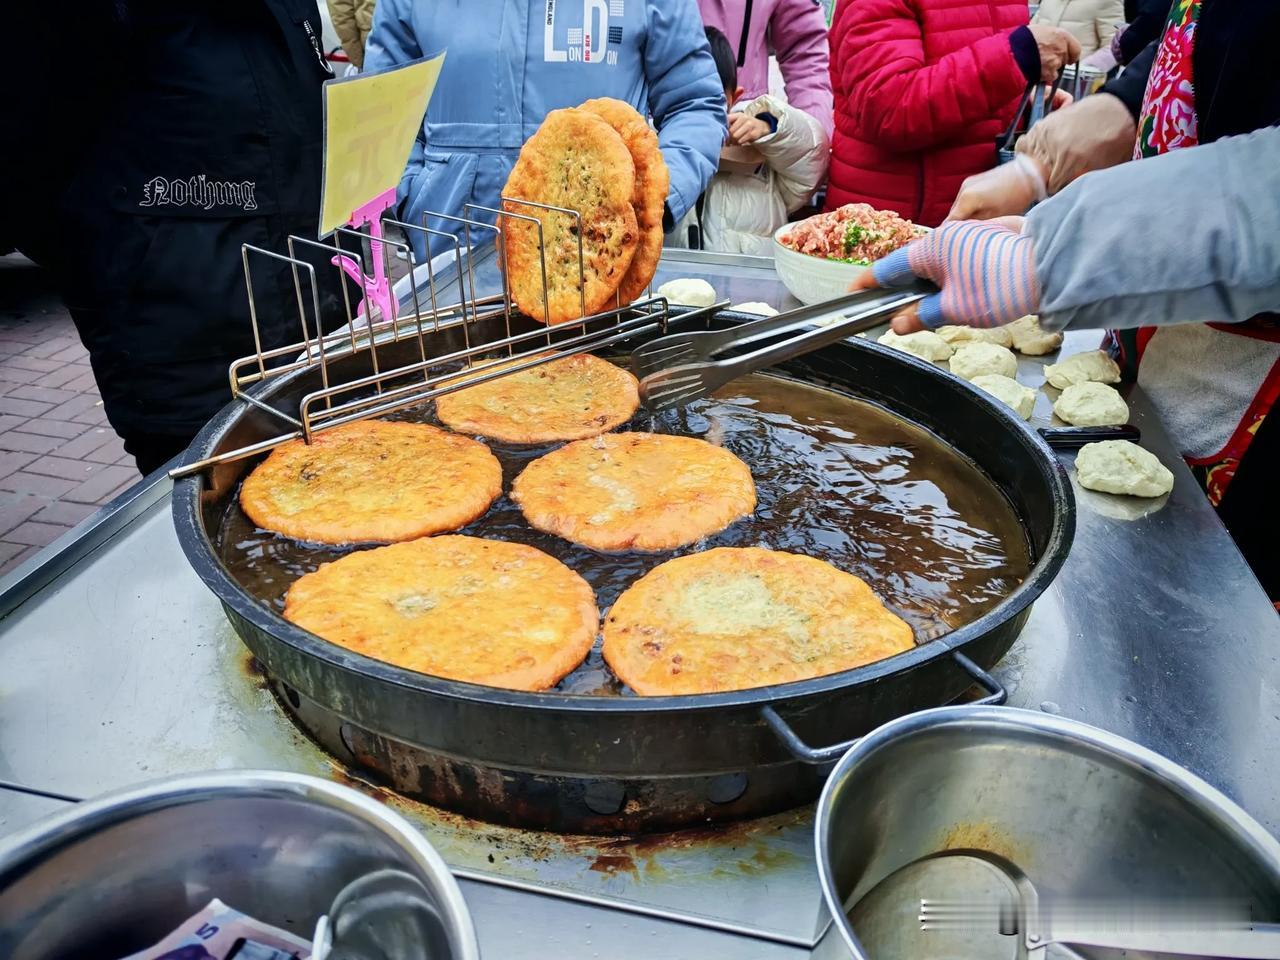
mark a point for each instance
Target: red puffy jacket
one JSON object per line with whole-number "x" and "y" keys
{"x": 922, "y": 90}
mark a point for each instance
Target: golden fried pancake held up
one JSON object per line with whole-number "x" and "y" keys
{"x": 649, "y": 197}
{"x": 484, "y": 611}
{"x": 564, "y": 399}
{"x": 733, "y": 618}
{"x": 635, "y": 491}
{"x": 372, "y": 481}
{"x": 578, "y": 162}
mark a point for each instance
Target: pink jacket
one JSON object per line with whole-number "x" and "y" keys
{"x": 796, "y": 31}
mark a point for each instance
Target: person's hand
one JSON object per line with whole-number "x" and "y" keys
{"x": 1102, "y": 60}
{"x": 986, "y": 272}
{"x": 1093, "y": 133}
{"x": 1061, "y": 98}
{"x": 1057, "y": 49}
{"x": 745, "y": 129}
{"x": 1116, "y": 52}
{"x": 1007, "y": 190}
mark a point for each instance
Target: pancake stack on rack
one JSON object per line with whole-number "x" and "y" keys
{"x": 601, "y": 160}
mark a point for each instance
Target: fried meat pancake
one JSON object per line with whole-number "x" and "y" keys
{"x": 733, "y": 618}
{"x": 564, "y": 399}
{"x": 635, "y": 491}
{"x": 372, "y": 481}
{"x": 649, "y": 198}
{"x": 579, "y": 162}
{"x": 484, "y": 611}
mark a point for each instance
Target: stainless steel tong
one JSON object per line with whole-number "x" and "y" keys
{"x": 678, "y": 369}
{"x": 1152, "y": 928}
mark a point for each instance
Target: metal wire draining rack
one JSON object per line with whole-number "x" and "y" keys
{"x": 389, "y": 388}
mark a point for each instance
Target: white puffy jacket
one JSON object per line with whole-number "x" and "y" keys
{"x": 740, "y": 211}
{"x": 1092, "y": 22}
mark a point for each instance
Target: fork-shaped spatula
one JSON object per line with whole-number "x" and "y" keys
{"x": 679, "y": 369}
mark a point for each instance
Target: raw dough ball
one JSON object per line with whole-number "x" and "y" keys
{"x": 1031, "y": 339}
{"x": 954, "y": 335}
{"x": 1082, "y": 367}
{"x": 924, "y": 344}
{"x": 974, "y": 359}
{"x": 1008, "y": 390}
{"x": 1118, "y": 466}
{"x": 1091, "y": 404}
{"x": 755, "y": 307}
{"x": 688, "y": 292}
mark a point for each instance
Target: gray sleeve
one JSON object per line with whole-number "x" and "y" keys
{"x": 1189, "y": 237}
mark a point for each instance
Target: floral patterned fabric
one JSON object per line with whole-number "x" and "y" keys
{"x": 1215, "y": 473}
{"x": 1168, "y": 117}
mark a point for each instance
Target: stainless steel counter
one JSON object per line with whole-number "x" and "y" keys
{"x": 116, "y": 665}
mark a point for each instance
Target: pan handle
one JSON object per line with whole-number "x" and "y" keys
{"x": 996, "y": 694}
{"x": 1073, "y": 438}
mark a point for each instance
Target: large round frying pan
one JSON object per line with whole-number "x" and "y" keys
{"x": 629, "y": 764}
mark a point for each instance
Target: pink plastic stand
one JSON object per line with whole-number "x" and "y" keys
{"x": 377, "y": 288}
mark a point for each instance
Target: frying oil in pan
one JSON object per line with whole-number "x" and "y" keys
{"x": 836, "y": 478}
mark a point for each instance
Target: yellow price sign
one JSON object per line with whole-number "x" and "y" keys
{"x": 370, "y": 122}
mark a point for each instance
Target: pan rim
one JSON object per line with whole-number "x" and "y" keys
{"x": 202, "y": 555}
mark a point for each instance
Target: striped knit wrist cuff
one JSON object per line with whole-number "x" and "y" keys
{"x": 893, "y": 270}
{"x": 929, "y": 312}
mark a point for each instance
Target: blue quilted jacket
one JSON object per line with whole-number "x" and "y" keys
{"x": 510, "y": 62}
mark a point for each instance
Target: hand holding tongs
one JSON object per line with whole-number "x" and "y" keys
{"x": 678, "y": 369}
{"x": 1040, "y": 97}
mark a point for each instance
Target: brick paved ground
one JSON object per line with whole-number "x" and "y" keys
{"x": 59, "y": 460}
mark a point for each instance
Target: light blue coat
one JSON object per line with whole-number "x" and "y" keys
{"x": 1210, "y": 255}
{"x": 510, "y": 62}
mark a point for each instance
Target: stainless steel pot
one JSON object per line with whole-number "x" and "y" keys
{"x": 958, "y": 803}
{"x": 114, "y": 875}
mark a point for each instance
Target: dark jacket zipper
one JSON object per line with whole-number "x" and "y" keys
{"x": 746, "y": 34}
{"x": 315, "y": 45}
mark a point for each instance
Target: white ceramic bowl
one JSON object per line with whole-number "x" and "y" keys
{"x": 810, "y": 279}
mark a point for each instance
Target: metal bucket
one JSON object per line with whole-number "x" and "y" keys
{"x": 115, "y": 875}
{"x": 1085, "y": 816}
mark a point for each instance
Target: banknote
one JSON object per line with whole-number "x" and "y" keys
{"x": 219, "y": 932}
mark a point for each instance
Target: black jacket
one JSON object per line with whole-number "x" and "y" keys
{"x": 1232, "y": 67}
{"x": 1146, "y": 20}
{"x": 206, "y": 135}
{"x": 53, "y": 117}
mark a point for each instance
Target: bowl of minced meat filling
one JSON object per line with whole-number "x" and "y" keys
{"x": 818, "y": 258}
